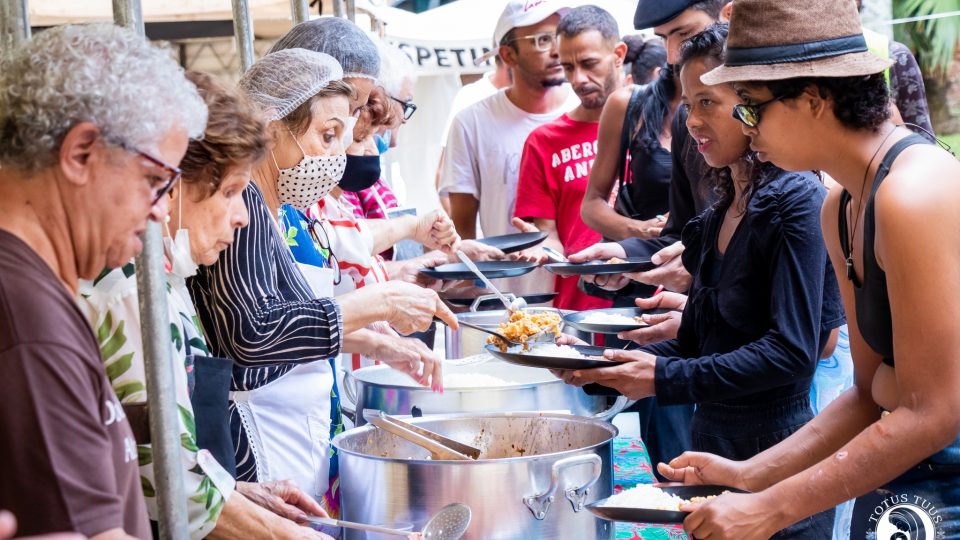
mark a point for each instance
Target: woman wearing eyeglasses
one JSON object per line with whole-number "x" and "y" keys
{"x": 206, "y": 207}
{"x": 279, "y": 323}
{"x": 763, "y": 301}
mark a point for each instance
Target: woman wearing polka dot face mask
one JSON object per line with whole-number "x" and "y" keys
{"x": 278, "y": 319}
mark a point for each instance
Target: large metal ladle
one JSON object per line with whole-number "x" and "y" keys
{"x": 516, "y": 305}
{"x": 448, "y": 524}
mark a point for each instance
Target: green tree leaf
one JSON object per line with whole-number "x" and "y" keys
{"x": 175, "y": 336}
{"x": 144, "y": 455}
{"x": 119, "y": 366}
{"x": 103, "y": 331}
{"x": 113, "y": 344}
{"x": 147, "y": 487}
{"x": 128, "y": 389}
{"x": 186, "y": 416}
{"x": 188, "y": 443}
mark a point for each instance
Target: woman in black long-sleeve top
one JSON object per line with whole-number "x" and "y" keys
{"x": 763, "y": 301}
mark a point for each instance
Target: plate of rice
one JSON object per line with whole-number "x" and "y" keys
{"x": 646, "y": 503}
{"x": 553, "y": 356}
{"x": 609, "y": 321}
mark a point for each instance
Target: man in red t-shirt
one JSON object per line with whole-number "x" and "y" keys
{"x": 558, "y": 156}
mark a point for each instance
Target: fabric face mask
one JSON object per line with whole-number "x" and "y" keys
{"x": 361, "y": 173}
{"x": 178, "y": 247}
{"x": 302, "y": 185}
{"x": 383, "y": 142}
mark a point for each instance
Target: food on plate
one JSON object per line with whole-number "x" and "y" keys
{"x": 615, "y": 260}
{"x": 651, "y": 498}
{"x": 473, "y": 380}
{"x": 553, "y": 350}
{"x": 600, "y": 317}
{"x": 524, "y": 324}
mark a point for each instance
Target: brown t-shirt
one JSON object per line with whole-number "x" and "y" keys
{"x": 68, "y": 461}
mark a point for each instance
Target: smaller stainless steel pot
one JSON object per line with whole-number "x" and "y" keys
{"x": 385, "y": 389}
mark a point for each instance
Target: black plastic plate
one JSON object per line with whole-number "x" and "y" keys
{"x": 510, "y": 243}
{"x": 490, "y": 269}
{"x": 515, "y": 356}
{"x": 647, "y": 515}
{"x": 601, "y": 268}
{"x": 576, "y": 320}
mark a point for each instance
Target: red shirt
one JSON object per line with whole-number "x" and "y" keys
{"x": 554, "y": 171}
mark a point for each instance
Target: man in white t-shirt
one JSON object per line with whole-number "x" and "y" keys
{"x": 487, "y": 85}
{"x": 482, "y": 157}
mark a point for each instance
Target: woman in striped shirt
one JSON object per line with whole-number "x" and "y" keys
{"x": 257, "y": 308}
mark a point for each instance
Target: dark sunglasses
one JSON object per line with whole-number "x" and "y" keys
{"x": 408, "y": 108}
{"x": 750, "y": 114}
{"x": 160, "y": 184}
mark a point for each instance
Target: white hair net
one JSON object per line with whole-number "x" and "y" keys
{"x": 340, "y": 39}
{"x": 395, "y": 68}
{"x": 282, "y": 81}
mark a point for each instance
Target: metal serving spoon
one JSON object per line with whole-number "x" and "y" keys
{"x": 448, "y": 524}
{"x": 516, "y": 305}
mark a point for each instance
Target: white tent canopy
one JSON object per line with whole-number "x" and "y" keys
{"x": 447, "y": 39}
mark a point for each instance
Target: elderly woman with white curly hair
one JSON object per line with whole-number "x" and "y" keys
{"x": 92, "y": 122}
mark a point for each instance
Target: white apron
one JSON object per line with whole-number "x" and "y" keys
{"x": 288, "y": 420}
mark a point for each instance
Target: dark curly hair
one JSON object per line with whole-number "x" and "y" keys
{"x": 860, "y": 103}
{"x": 709, "y": 44}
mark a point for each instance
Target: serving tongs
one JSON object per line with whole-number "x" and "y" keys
{"x": 440, "y": 447}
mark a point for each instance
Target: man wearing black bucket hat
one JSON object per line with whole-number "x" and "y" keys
{"x": 814, "y": 97}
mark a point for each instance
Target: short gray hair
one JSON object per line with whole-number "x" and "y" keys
{"x": 395, "y": 68}
{"x": 100, "y": 73}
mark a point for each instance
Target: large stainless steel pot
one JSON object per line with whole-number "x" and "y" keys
{"x": 388, "y": 390}
{"x": 468, "y": 341}
{"x": 534, "y": 476}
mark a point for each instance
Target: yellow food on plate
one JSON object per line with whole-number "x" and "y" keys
{"x": 615, "y": 260}
{"x": 524, "y": 324}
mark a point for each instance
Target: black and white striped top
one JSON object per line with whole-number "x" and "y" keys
{"x": 256, "y": 308}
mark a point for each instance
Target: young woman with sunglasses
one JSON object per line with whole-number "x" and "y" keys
{"x": 763, "y": 302}
{"x": 893, "y": 234}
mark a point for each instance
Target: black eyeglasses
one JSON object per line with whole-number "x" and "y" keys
{"x": 161, "y": 184}
{"x": 750, "y": 114}
{"x": 320, "y": 239}
{"x": 408, "y": 108}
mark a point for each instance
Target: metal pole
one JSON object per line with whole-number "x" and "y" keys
{"x": 243, "y": 31}
{"x": 299, "y": 11}
{"x": 352, "y": 10}
{"x": 14, "y": 24}
{"x": 338, "y": 9}
{"x": 127, "y": 13}
{"x": 155, "y": 327}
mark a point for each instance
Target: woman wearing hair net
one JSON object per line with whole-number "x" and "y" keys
{"x": 280, "y": 325}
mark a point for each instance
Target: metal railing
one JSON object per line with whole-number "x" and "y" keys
{"x": 15, "y": 24}
{"x": 243, "y": 31}
{"x": 155, "y": 328}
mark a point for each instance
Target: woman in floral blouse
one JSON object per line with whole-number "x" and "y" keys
{"x": 208, "y": 203}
